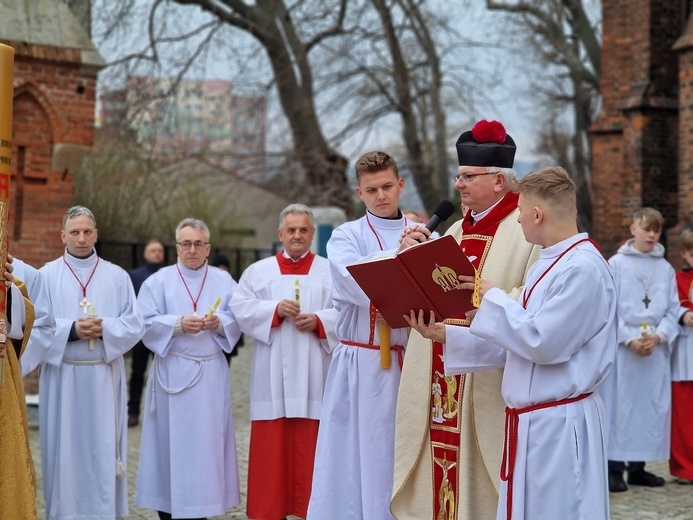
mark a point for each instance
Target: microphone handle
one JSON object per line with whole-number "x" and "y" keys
{"x": 433, "y": 223}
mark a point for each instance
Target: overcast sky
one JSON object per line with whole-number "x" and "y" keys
{"x": 509, "y": 102}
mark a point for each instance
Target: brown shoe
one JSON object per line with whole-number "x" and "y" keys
{"x": 133, "y": 421}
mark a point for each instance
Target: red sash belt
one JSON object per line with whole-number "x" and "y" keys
{"x": 512, "y": 423}
{"x": 398, "y": 348}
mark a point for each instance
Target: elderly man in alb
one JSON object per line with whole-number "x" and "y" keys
{"x": 285, "y": 303}
{"x": 188, "y": 466}
{"x": 83, "y": 411}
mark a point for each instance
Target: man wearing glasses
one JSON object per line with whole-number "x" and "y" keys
{"x": 459, "y": 448}
{"x": 188, "y": 466}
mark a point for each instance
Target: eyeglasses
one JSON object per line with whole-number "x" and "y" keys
{"x": 188, "y": 245}
{"x": 466, "y": 177}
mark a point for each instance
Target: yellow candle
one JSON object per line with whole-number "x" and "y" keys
{"x": 213, "y": 308}
{"x": 385, "y": 358}
{"x": 297, "y": 292}
{"x": 644, "y": 329}
{"x": 6, "y": 76}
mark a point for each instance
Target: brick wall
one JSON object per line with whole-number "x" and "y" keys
{"x": 54, "y": 98}
{"x": 53, "y": 109}
{"x": 635, "y": 136}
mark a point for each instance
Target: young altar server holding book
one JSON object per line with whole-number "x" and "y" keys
{"x": 557, "y": 344}
{"x": 637, "y": 394}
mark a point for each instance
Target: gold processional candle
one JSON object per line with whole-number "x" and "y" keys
{"x": 6, "y": 65}
{"x": 385, "y": 358}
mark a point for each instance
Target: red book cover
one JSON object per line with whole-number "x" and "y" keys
{"x": 420, "y": 277}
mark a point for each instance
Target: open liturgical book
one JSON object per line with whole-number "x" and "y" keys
{"x": 423, "y": 276}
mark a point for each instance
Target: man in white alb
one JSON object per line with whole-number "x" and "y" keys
{"x": 83, "y": 410}
{"x": 188, "y": 466}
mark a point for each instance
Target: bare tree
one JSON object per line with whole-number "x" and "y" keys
{"x": 418, "y": 102}
{"x": 287, "y": 48}
{"x": 565, "y": 36}
{"x": 342, "y": 66}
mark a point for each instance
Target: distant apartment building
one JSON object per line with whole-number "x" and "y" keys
{"x": 174, "y": 119}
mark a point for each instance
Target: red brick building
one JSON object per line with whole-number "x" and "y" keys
{"x": 53, "y": 117}
{"x": 642, "y": 140}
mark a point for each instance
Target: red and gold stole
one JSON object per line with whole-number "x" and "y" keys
{"x": 445, "y": 417}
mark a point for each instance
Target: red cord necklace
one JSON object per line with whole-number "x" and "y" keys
{"x": 194, "y": 300}
{"x": 84, "y": 303}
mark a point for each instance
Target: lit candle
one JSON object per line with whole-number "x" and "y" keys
{"x": 385, "y": 358}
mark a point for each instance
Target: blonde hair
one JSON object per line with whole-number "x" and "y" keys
{"x": 649, "y": 219}
{"x": 687, "y": 240}
{"x": 373, "y": 162}
{"x": 552, "y": 185}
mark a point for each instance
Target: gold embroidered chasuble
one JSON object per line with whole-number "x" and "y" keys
{"x": 17, "y": 477}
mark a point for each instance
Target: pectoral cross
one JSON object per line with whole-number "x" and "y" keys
{"x": 85, "y": 305}
{"x": 646, "y": 301}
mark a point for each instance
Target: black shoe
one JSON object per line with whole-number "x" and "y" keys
{"x": 133, "y": 421}
{"x": 641, "y": 477}
{"x": 616, "y": 482}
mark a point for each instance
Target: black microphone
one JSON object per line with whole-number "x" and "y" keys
{"x": 443, "y": 210}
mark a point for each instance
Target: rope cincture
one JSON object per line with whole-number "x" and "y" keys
{"x": 512, "y": 426}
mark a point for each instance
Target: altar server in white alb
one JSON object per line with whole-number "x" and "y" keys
{"x": 285, "y": 303}
{"x": 354, "y": 457}
{"x": 557, "y": 344}
{"x": 83, "y": 412}
{"x": 188, "y": 466}
{"x": 637, "y": 394}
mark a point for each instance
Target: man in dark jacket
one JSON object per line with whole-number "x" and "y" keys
{"x": 154, "y": 256}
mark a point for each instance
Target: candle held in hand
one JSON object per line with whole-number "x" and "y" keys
{"x": 213, "y": 308}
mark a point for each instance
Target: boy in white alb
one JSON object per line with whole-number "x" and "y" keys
{"x": 557, "y": 344}
{"x": 637, "y": 394}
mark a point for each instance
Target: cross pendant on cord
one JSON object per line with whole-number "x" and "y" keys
{"x": 84, "y": 304}
{"x": 646, "y": 301}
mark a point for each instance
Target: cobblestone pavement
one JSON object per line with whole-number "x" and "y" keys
{"x": 671, "y": 502}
